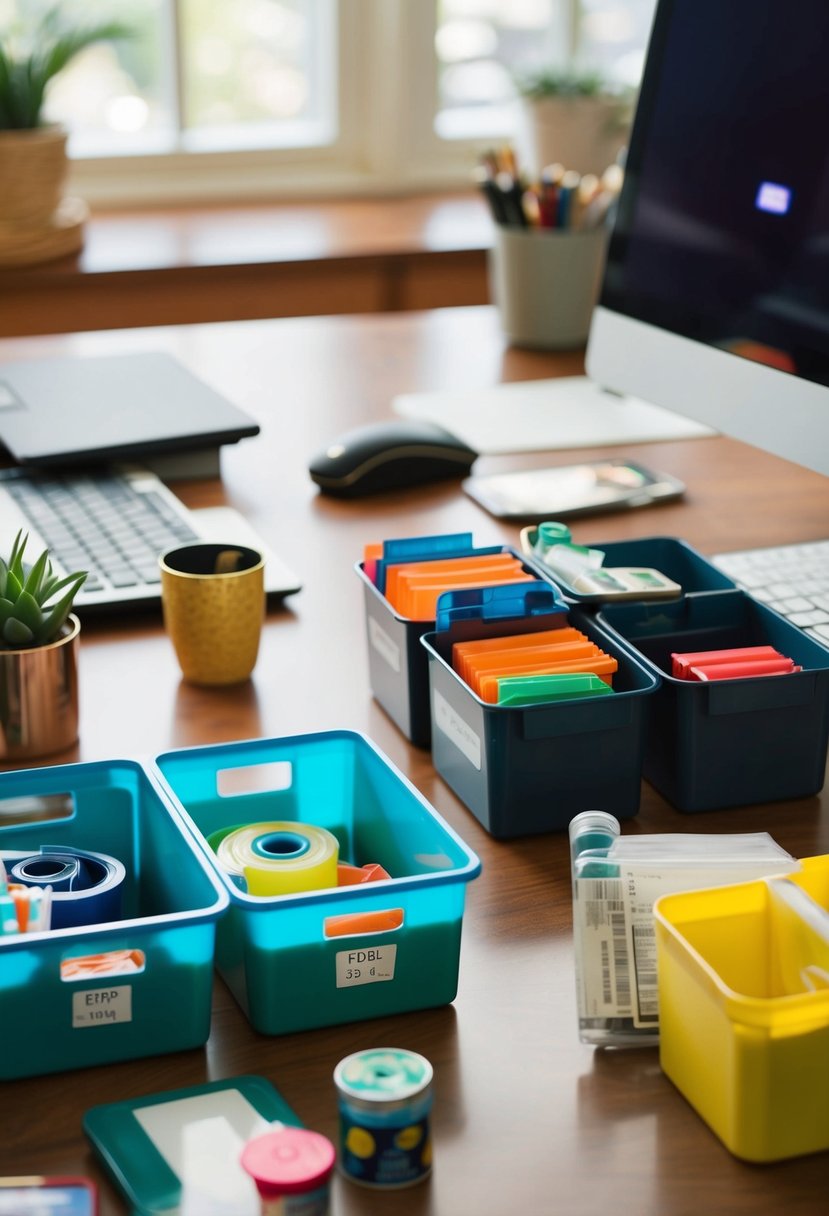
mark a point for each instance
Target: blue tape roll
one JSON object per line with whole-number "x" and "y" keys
{"x": 87, "y": 888}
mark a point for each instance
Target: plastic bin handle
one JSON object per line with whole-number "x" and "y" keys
{"x": 100, "y": 966}
{"x": 354, "y": 924}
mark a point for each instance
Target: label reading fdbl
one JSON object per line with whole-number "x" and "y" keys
{"x": 101, "y": 1006}
{"x": 366, "y": 965}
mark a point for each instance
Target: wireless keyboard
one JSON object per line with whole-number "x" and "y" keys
{"x": 792, "y": 579}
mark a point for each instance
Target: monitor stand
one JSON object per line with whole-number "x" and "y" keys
{"x": 542, "y": 415}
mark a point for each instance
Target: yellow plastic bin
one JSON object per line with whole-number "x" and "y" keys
{"x": 744, "y": 1009}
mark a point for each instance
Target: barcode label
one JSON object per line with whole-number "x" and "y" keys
{"x": 603, "y": 959}
{"x": 647, "y": 991}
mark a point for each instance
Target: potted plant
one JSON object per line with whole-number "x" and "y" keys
{"x": 38, "y": 656}
{"x": 36, "y": 222}
{"x": 570, "y": 118}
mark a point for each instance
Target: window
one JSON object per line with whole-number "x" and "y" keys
{"x": 212, "y": 98}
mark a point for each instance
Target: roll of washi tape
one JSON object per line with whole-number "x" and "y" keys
{"x": 291, "y": 1168}
{"x": 385, "y": 1096}
{"x": 280, "y": 858}
{"x": 87, "y": 888}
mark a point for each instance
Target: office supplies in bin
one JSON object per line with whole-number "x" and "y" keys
{"x": 323, "y": 957}
{"x": 616, "y": 880}
{"x": 728, "y": 742}
{"x": 135, "y": 986}
{"x": 522, "y": 769}
{"x": 490, "y": 664}
{"x": 737, "y": 662}
{"x": 582, "y": 569}
{"x": 744, "y": 1009}
{"x": 398, "y": 668}
{"x": 283, "y": 857}
{"x": 83, "y": 888}
{"x": 674, "y": 560}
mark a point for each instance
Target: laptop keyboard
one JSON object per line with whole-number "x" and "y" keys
{"x": 793, "y": 579}
{"x": 100, "y": 523}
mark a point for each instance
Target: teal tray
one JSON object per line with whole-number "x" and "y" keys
{"x": 273, "y": 951}
{"x": 171, "y": 903}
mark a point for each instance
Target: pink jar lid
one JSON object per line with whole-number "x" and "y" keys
{"x": 288, "y": 1161}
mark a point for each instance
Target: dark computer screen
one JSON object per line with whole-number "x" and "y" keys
{"x": 722, "y": 233}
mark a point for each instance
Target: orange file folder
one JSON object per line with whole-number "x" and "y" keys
{"x": 519, "y": 641}
{"x": 421, "y": 602}
{"x": 404, "y": 580}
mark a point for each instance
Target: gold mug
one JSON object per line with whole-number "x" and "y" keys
{"x": 213, "y": 601}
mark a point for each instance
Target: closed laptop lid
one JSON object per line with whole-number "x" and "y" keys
{"x": 72, "y": 410}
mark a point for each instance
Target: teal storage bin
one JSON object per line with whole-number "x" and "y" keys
{"x": 529, "y": 769}
{"x": 58, "y": 1013}
{"x": 278, "y": 954}
{"x": 728, "y": 742}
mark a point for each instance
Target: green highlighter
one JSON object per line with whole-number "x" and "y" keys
{"x": 536, "y": 690}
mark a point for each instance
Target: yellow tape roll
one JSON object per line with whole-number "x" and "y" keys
{"x": 281, "y": 858}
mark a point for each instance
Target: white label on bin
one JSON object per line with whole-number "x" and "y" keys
{"x": 457, "y": 730}
{"x": 383, "y": 644}
{"x": 101, "y": 1006}
{"x": 365, "y": 965}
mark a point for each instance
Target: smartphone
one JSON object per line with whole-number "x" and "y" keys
{"x": 43, "y": 1196}
{"x": 535, "y": 495}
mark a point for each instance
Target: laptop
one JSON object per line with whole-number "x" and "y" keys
{"x": 74, "y": 410}
{"x": 114, "y": 523}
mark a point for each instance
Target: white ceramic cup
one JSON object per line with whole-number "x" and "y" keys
{"x": 545, "y": 284}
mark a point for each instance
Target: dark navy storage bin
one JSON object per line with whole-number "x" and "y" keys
{"x": 674, "y": 558}
{"x": 529, "y": 769}
{"x": 729, "y": 742}
{"x": 397, "y": 664}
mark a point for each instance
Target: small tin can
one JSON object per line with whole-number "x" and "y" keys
{"x": 385, "y": 1096}
{"x": 291, "y": 1168}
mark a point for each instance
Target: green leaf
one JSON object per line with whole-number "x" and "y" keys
{"x": 60, "y": 611}
{"x": 35, "y": 576}
{"x": 16, "y": 633}
{"x": 27, "y": 610}
{"x": 13, "y": 586}
{"x": 6, "y": 610}
{"x": 24, "y": 77}
{"x": 58, "y": 584}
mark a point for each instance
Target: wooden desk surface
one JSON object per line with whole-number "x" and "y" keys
{"x": 526, "y": 1119}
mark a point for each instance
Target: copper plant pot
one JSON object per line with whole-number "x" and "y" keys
{"x": 39, "y": 697}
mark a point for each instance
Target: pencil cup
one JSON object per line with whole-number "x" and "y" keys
{"x": 213, "y": 599}
{"x": 545, "y": 284}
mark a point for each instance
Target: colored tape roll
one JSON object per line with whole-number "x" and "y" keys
{"x": 87, "y": 888}
{"x": 279, "y": 858}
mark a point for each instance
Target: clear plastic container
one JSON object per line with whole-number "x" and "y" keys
{"x": 616, "y": 881}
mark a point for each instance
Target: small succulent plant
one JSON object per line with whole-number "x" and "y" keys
{"x": 27, "y": 617}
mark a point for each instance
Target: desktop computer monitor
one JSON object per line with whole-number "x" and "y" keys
{"x": 715, "y": 302}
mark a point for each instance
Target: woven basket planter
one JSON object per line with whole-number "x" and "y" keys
{"x": 32, "y": 170}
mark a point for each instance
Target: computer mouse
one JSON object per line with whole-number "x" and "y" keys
{"x": 389, "y": 456}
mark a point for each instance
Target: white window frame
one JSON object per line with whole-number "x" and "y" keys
{"x": 386, "y": 91}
